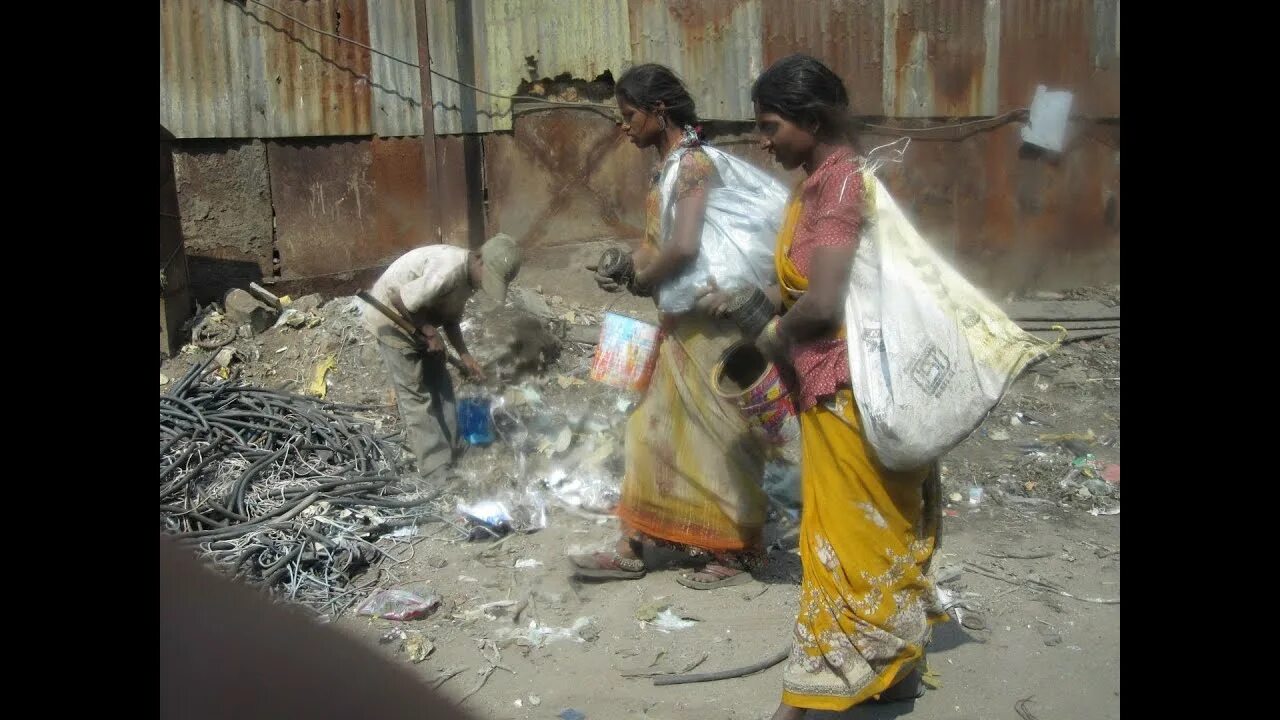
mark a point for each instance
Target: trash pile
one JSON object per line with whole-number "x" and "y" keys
{"x": 290, "y": 492}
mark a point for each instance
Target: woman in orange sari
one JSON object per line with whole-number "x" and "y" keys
{"x": 693, "y": 469}
{"x": 867, "y": 534}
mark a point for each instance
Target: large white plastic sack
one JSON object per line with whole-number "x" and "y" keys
{"x": 739, "y": 234}
{"x": 929, "y": 355}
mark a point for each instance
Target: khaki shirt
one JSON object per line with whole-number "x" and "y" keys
{"x": 432, "y": 283}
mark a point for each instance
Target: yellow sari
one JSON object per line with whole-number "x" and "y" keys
{"x": 867, "y": 535}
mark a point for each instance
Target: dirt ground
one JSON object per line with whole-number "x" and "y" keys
{"x": 1047, "y": 523}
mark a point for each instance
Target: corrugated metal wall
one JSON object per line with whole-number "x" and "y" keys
{"x": 715, "y": 46}
{"x": 583, "y": 40}
{"x": 232, "y": 71}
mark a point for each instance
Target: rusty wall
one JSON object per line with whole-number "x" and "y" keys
{"x": 1013, "y": 217}
{"x": 561, "y": 177}
{"x": 285, "y": 210}
{"x": 1009, "y": 216}
{"x": 455, "y": 228}
{"x": 224, "y": 198}
{"x": 175, "y": 288}
{"x": 345, "y": 204}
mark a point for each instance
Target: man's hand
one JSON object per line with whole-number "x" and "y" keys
{"x": 432, "y": 338}
{"x": 473, "y": 368}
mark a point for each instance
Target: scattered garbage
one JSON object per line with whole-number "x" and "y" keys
{"x": 399, "y": 605}
{"x": 1111, "y": 474}
{"x": 666, "y": 618}
{"x": 417, "y": 646}
{"x": 489, "y": 518}
{"x": 571, "y": 714}
{"x": 526, "y": 563}
{"x": 474, "y": 420}
{"x": 583, "y": 630}
{"x": 319, "y": 386}
{"x": 593, "y": 492}
{"x": 515, "y": 512}
{"x": 975, "y": 496}
{"x": 626, "y": 354}
{"x": 587, "y": 629}
{"x": 241, "y": 481}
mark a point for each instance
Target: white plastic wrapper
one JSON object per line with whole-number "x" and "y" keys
{"x": 739, "y": 234}
{"x": 928, "y": 354}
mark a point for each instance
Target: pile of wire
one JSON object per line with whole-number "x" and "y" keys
{"x": 286, "y": 491}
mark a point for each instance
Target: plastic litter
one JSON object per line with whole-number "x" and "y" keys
{"x": 626, "y": 354}
{"x": 975, "y": 496}
{"x": 670, "y": 620}
{"x": 1047, "y": 126}
{"x": 516, "y": 513}
{"x": 571, "y": 714}
{"x": 473, "y": 420}
{"x": 399, "y": 605}
{"x": 584, "y": 489}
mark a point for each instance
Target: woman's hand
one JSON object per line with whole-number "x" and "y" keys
{"x": 713, "y": 301}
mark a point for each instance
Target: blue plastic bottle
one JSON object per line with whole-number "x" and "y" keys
{"x": 473, "y": 420}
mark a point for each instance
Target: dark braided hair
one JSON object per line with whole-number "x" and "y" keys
{"x": 644, "y": 86}
{"x": 806, "y": 92}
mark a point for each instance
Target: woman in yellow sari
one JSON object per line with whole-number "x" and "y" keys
{"x": 867, "y": 534}
{"x": 693, "y": 470}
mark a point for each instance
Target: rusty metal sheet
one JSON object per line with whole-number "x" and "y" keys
{"x": 224, "y": 198}
{"x": 395, "y": 87}
{"x": 1065, "y": 44}
{"x": 715, "y": 46}
{"x": 560, "y": 36}
{"x": 847, "y": 35}
{"x": 455, "y": 223}
{"x": 401, "y": 197}
{"x": 323, "y": 196}
{"x": 175, "y": 288}
{"x": 564, "y": 177}
{"x": 941, "y": 58}
{"x": 229, "y": 71}
{"x": 345, "y": 205}
{"x": 1009, "y": 217}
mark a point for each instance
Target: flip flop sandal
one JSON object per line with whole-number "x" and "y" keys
{"x": 724, "y": 579}
{"x": 606, "y": 566}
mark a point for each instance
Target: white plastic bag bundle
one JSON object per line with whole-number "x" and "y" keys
{"x": 739, "y": 234}
{"x": 929, "y": 355}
